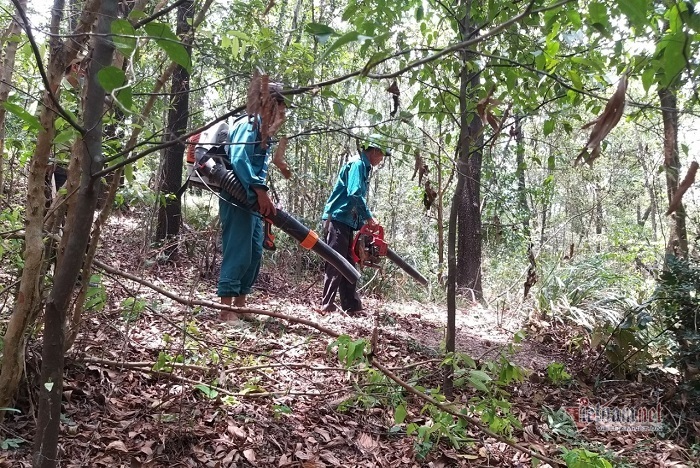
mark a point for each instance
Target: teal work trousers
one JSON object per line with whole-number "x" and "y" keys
{"x": 242, "y": 247}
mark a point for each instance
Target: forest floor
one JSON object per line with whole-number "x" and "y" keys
{"x": 151, "y": 382}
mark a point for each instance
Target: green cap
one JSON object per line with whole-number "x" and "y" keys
{"x": 378, "y": 141}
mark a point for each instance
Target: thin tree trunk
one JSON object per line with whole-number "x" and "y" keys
{"x": 67, "y": 270}
{"x": 678, "y": 238}
{"x": 170, "y": 211}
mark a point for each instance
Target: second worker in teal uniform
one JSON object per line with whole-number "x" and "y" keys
{"x": 345, "y": 212}
{"x": 241, "y": 229}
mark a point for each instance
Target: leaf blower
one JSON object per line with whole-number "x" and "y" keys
{"x": 369, "y": 247}
{"x": 228, "y": 181}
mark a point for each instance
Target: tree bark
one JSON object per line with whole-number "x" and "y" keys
{"x": 67, "y": 270}
{"x": 678, "y": 238}
{"x": 170, "y": 210}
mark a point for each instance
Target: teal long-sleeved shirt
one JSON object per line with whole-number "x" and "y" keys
{"x": 248, "y": 158}
{"x": 348, "y": 200}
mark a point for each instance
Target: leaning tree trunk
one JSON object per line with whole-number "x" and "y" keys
{"x": 678, "y": 238}
{"x": 27, "y": 302}
{"x": 67, "y": 270}
{"x": 170, "y": 209}
{"x": 8, "y": 65}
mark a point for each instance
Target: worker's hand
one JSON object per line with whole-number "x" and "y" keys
{"x": 266, "y": 206}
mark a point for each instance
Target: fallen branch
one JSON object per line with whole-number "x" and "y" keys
{"x": 215, "y": 305}
{"x": 476, "y": 424}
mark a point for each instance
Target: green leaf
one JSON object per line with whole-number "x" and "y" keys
{"x": 548, "y": 127}
{"x": 170, "y": 43}
{"x": 551, "y": 163}
{"x": 211, "y": 393}
{"x": 321, "y": 31}
{"x": 126, "y": 99}
{"x": 420, "y": 13}
{"x": 673, "y": 59}
{"x": 48, "y": 386}
{"x": 636, "y": 12}
{"x": 123, "y": 36}
{"x": 338, "y": 108}
{"x": 110, "y": 78}
{"x": 400, "y": 414}
{"x": 350, "y": 11}
{"x": 352, "y": 36}
{"x": 648, "y": 78}
{"x": 31, "y": 121}
{"x": 478, "y": 384}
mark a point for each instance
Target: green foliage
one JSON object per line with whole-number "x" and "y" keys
{"x": 559, "y": 424}
{"x": 11, "y": 443}
{"x": 96, "y": 297}
{"x": 350, "y": 352}
{"x": 582, "y": 458}
{"x": 132, "y": 308}
{"x": 677, "y": 299}
{"x": 208, "y": 391}
{"x": 557, "y": 374}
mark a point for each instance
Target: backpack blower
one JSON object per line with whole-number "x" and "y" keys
{"x": 369, "y": 247}
{"x": 228, "y": 181}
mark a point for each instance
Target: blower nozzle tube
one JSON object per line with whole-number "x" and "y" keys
{"x": 228, "y": 181}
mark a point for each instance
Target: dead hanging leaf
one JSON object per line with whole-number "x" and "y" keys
{"x": 685, "y": 185}
{"x": 429, "y": 195}
{"x": 395, "y": 92}
{"x": 253, "y": 100}
{"x": 604, "y": 123}
{"x": 419, "y": 167}
{"x": 483, "y": 109}
{"x": 278, "y": 158}
{"x": 278, "y": 119}
{"x": 531, "y": 279}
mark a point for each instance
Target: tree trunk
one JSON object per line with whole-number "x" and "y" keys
{"x": 462, "y": 218}
{"x": 170, "y": 210}
{"x": 678, "y": 238}
{"x": 8, "y": 63}
{"x": 469, "y": 212}
{"x": 67, "y": 270}
{"x": 27, "y": 302}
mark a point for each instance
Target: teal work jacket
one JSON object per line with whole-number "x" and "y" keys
{"x": 248, "y": 158}
{"x": 348, "y": 201}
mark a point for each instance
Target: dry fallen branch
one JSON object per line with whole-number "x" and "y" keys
{"x": 685, "y": 185}
{"x": 474, "y": 423}
{"x": 604, "y": 123}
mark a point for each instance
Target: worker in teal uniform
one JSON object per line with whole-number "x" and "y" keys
{"x": 345, "y": 212}
{"x": 241, "y": 229}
